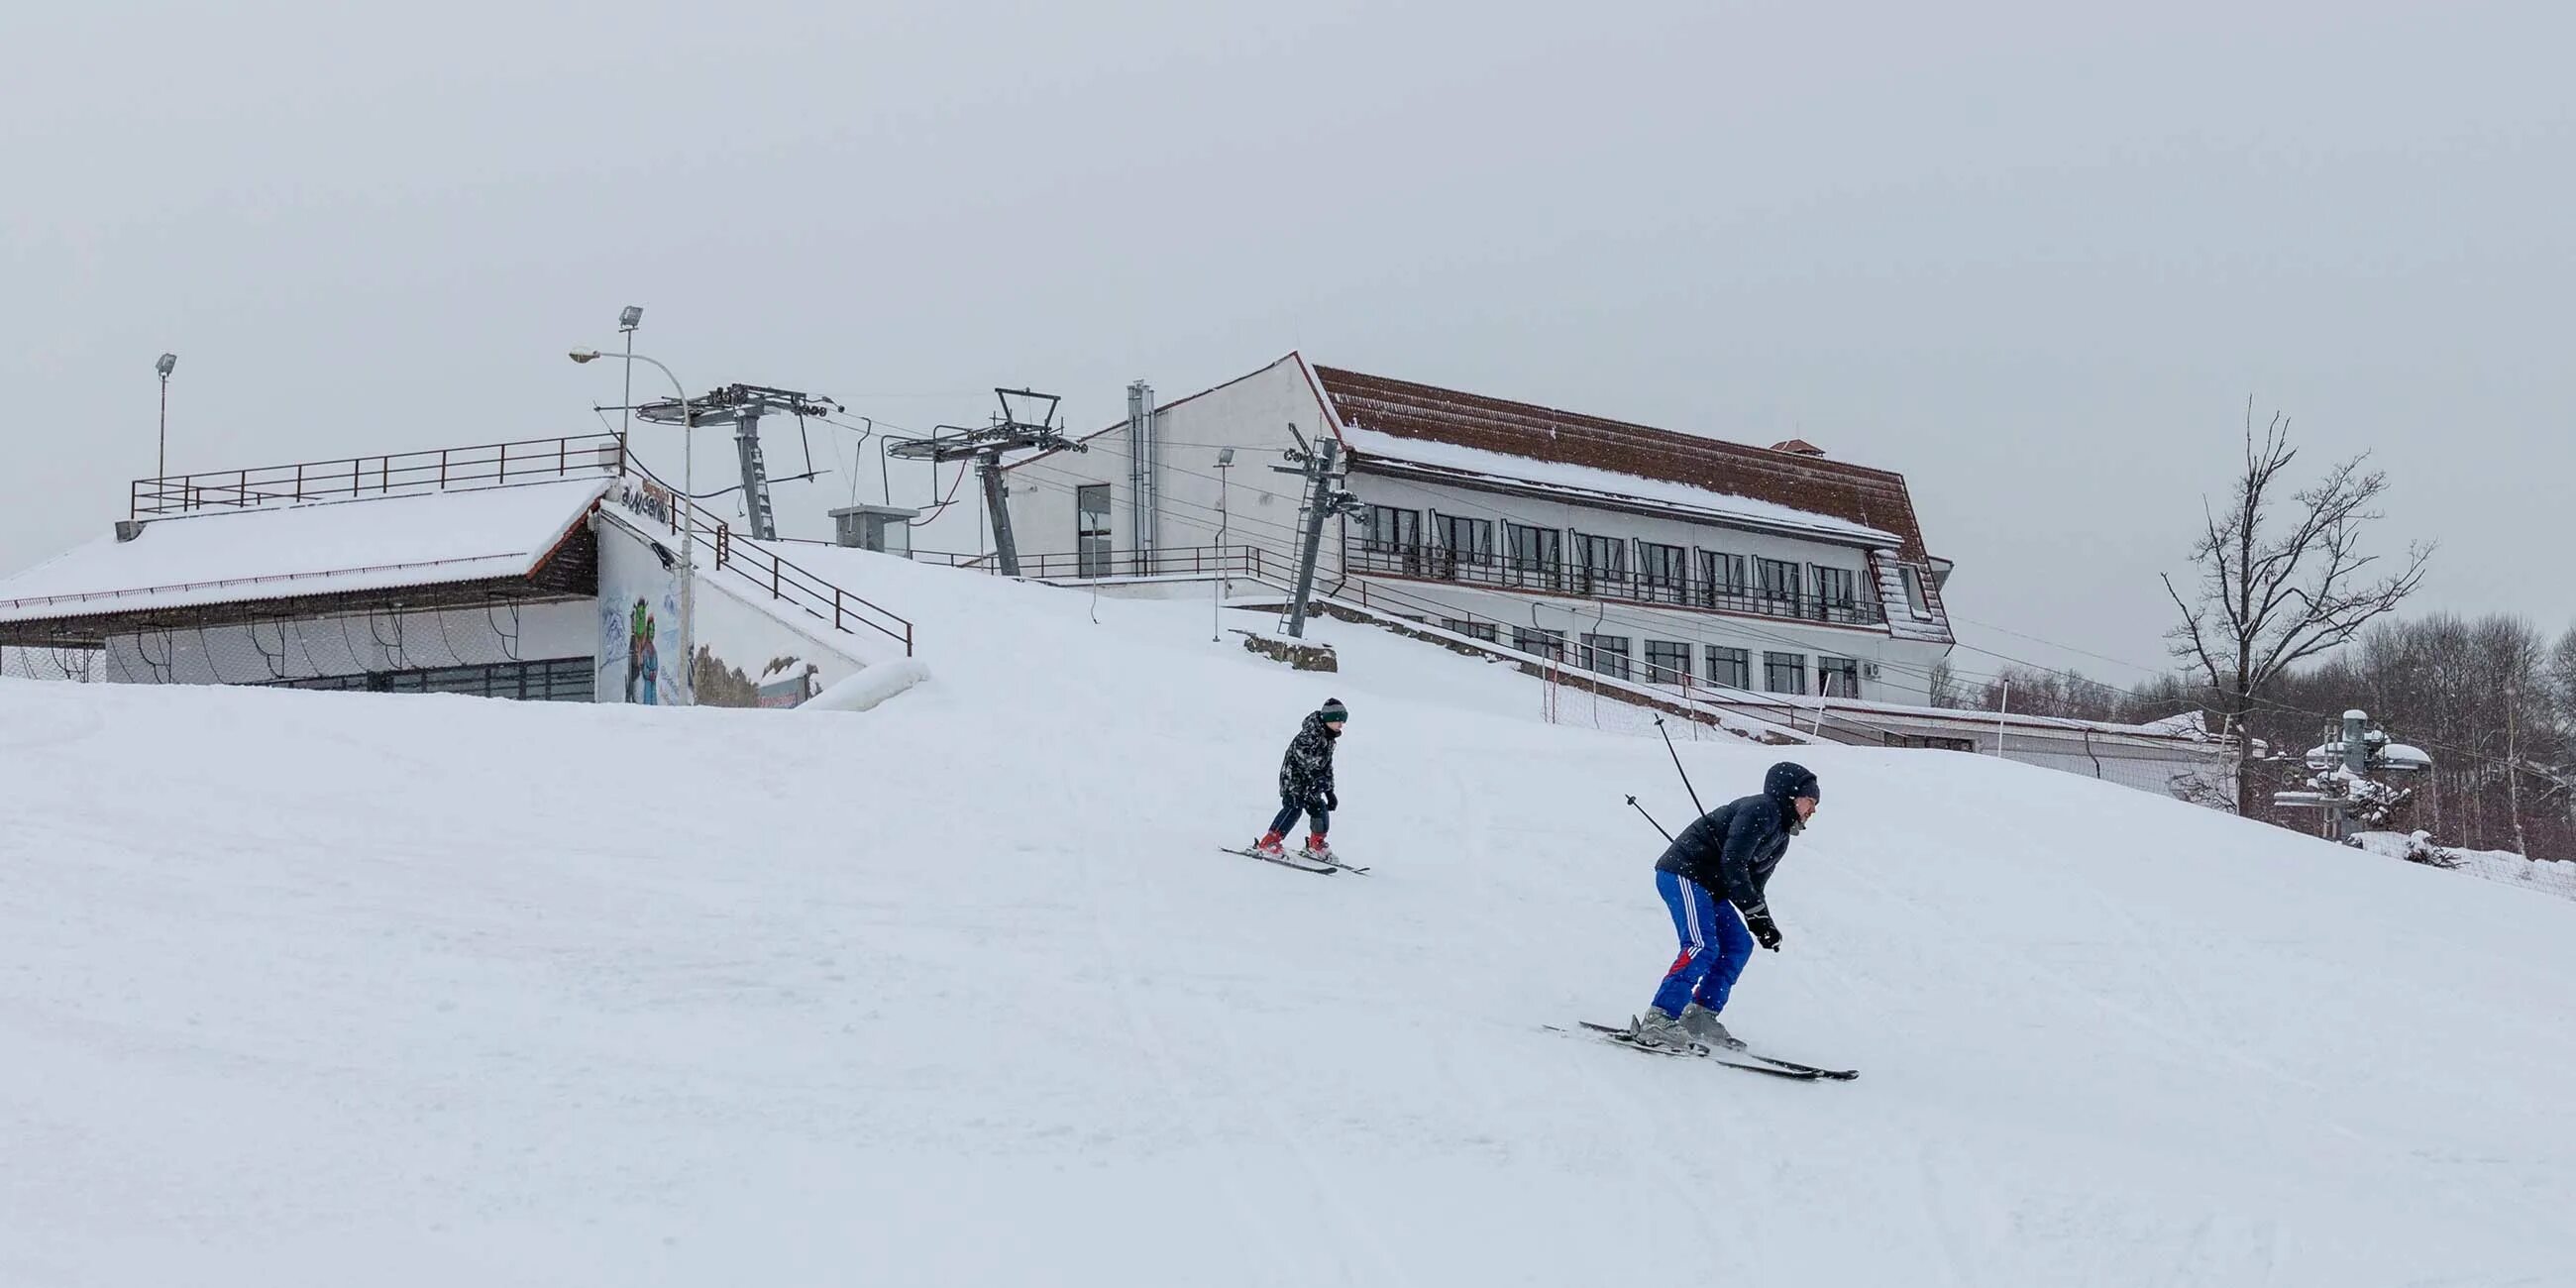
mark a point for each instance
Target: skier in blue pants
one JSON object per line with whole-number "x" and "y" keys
{"x": 1712, "y": 879}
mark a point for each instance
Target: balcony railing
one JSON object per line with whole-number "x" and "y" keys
{"x": 1433, "y": 563}
{"x": 447, "y": 469}
{"x": 1247, "y": 562}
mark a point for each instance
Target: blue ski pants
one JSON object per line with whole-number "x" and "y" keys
{"x": 1715, "y": 946}
{"x": 1287, "y": 817}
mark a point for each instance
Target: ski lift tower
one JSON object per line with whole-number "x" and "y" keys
{"x": 742, "y": 406}
{"x": 1012, "y": 431}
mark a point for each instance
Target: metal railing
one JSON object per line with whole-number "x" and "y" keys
{"x": 444, "y": 470}
{"x": 762, "y": 568}
{"x": 1245, "y": 561}
{"x": 1434, "y": 563}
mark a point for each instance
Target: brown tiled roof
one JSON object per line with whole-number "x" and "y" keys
{"x": 1818, "y": 485}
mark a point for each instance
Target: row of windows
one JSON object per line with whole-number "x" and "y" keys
{"x": 1669, "y": 662}
{"x": 562, "y": 679}
{"x": 1539, "y": 553}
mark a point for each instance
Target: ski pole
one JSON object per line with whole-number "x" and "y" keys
{"x": 1677, "y": 765}
{"x": 1632, "y": 804}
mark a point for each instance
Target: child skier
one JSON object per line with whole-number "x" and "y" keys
{"x": 1306, "y": 781}
{"x": 1715, "y": 869}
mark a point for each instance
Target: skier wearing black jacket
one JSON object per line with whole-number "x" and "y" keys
{"x": 1712, "y": 879}
{"x": 1306, "y": 782}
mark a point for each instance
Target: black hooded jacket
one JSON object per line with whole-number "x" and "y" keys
{"x": 1306, "y": 772}
{"x": 1732, "y": 849}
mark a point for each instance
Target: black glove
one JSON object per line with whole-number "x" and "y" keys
{"x": 1765, "y": 931}
{"x": 1331, "y": 801}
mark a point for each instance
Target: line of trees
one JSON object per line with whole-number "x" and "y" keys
{"x": 2286, "y": 619}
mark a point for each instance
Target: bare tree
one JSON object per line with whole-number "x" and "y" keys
{"x": 2279, "y": 580}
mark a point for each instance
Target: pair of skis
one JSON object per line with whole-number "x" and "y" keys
{"x": 1302, "y": 861}
{"x": 1749, "y": 1061}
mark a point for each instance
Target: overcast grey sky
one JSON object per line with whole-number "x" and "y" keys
{"x": 2033, "y": 256}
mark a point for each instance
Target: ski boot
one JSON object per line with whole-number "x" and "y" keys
{"x": 1317, "y": 850}
{"x": 1658, "y": 1029}
{"x": 1701, "y": 1024}
{"x": 1268, "y": 846}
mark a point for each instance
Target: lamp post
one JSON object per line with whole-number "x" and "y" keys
{"x": 688, "y": 518}
{"x": 161, "y": 465}
{"x": 1224, "y": 517}
{"x": 628, "y": 318}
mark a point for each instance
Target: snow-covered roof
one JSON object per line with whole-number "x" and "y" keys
{"x": 1583, "y": 482}
{"x": 379, "y": 543}
{"x": 1535, "y": 439}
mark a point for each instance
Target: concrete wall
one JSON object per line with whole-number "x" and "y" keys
{"x": 747, "y": 655}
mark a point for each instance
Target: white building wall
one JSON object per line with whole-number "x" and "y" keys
{"x": 1252, "y": 416}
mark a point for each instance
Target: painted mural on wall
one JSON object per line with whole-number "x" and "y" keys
{"x": 639, "y": 616}
{"x": 745, "y": 656}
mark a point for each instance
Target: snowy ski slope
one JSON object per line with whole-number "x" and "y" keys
{"x": 346, "y": 989}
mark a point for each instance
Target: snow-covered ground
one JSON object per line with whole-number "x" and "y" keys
{"x": 303, "y": 988}
{"x": 2501, "y": 866}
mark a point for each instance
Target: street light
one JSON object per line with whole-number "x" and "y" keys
{"x": 167, "y": 362}
{"x": 688, "y": 514}
{"x": 1216, "y": 615}
{"x": 628, "y": 318}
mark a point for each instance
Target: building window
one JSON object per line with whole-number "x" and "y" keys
{"x": 1605, "y": 566}
{"x": 1607, "y": 654}
{"x": 1465, "y": 541}
{"x": 1916, "y": 602}
{"x": 1838, "y": 677}
{"x": 1662, "y": 571}
{"x": 1732, "y": 667}
{"x": 1540, "y": 643}
{"x": 1537, "y": 556}
{"x": 1834, "y": 591}
{"x": 1091, "y": 530}
{"x": 1486, "y": 631}
{"x": 566, "y": 679}
{"x": 1784, "y": 672}
{"x": 1721, "y": 578}
{"x": 1667, "y": 662}
{"x": 1392, "y": 541}
{"x": 1391, "y": 529}
{"x": 1930, "y": 742}
{"x": 1777, "y": 585}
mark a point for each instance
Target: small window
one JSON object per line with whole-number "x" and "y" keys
{"x": 1662, "y": 571}
{"x": 1537, "y": 556}
{"x": 1838, "y": 677}
{"x": 1667, "y": 662}
{"x": 1916, "y": 602}
{"x": 1543, "y": 643}
{"x": 1784, "y": 672}
{"x": 1607, "y": 654}
{"x": 1485, "y": 631}
{"x": 1605, "y": 566}
{"x": 1465, "y": 541}
{"x": 1091, "y": 530}
{"x": 1721, "y": 578}
{"x": 1778, "y": 585}
{"x": 1835, "y": 590}
{"x": 1732, "y": 667}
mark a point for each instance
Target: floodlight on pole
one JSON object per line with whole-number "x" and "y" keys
{"x": 167, "y": 363}
{"x": 628, "y": 318}
{"x": 688, "y": 508}
{"x": 1216, "y": 614}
